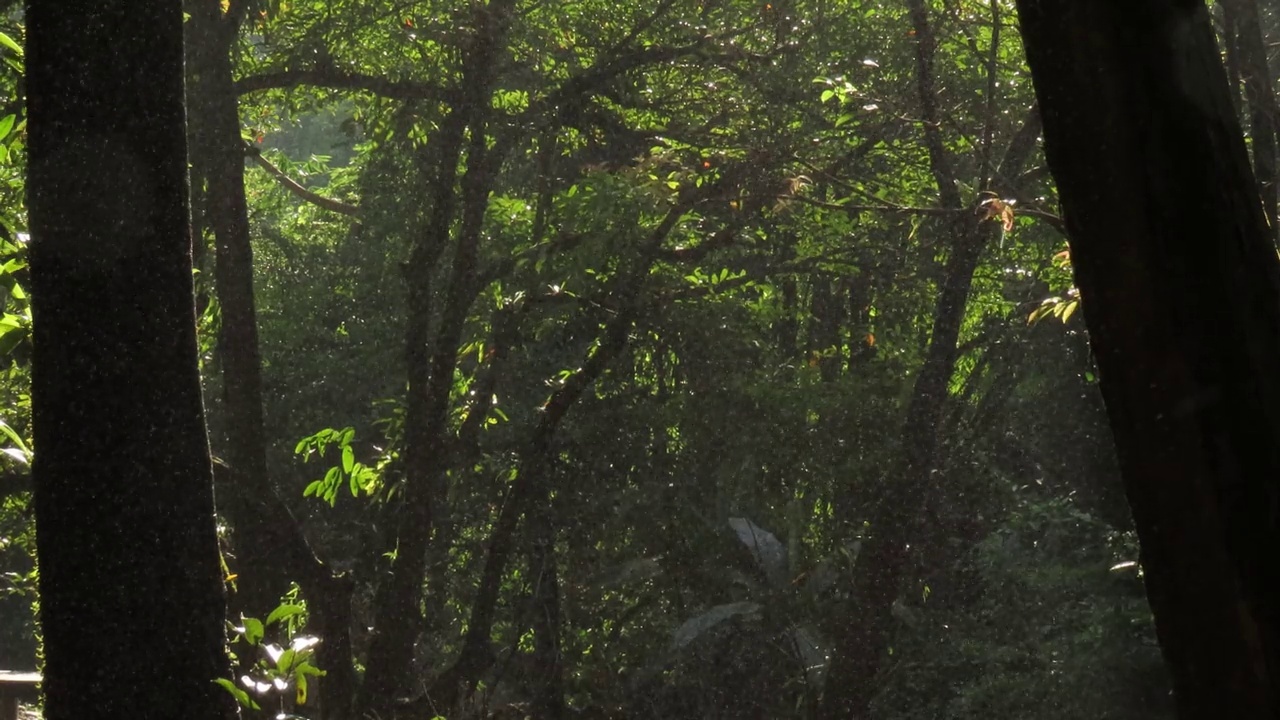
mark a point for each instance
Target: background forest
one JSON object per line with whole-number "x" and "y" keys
{"x": 683, "y": 359}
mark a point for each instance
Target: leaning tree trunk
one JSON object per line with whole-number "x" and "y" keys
{"x": 863, "y": 640}
{"x": 1250, "y": 41}
{"x": 132, "y": 607}
{"x": 1181, "y": 291}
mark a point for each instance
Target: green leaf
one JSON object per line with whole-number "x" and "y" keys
{"x": 241, "y": 696}
{"x": 301, "y": 692}
{"x": 284, "y": 663}
{"x": 10, "y": 43}
{"x": 9, "y": 341}
{"x": 6, "y": 125}
{"x": 14, "y": 437}
{"x": 348, "y": 459}
{"x": 253, "y": 630}
{"x": 286, "y": 610}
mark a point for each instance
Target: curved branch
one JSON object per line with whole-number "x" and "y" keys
{"x": 334, "y": 79}
{"x": 292, "y": 186}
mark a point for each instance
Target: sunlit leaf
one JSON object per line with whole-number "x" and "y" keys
{"x": 11, "y": 44}
{"x": 282, "y": 612}
{"x": 241, "y": 696}
{"x": 253, "y": 630}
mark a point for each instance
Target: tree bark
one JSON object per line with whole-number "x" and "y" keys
{"x": 123, "y": 478}
{"x": 270, "y": 547}
{"x": 431, "y": 358}
{"x": 1181, "y": 290}
{"x": 899, "y": 517}
{"x": 1260, "y": 97}
{"x": 215, "y": 139}
{"x": 548, "y": 662}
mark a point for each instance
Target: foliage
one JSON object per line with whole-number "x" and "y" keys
{"x": 280, "y": 672}
{"x": 726, "y": 221}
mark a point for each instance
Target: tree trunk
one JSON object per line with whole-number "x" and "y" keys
{"x": 432, "y": 358}
{"x": 1181, "y": 290}
{"x": 217, "y": 160}
{"x": 548, "y": 662}
{"x": 898, "y": 519}
{"x": 132, "y": 606}
{"x": 1260, "y": 98}
{"x": 825, "y": 319}
{"x": 270, "y": 547}
{"x": 863, "y": 639}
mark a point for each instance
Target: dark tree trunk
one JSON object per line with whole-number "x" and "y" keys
{"x": 548, "y": 664}
{"x": 432, "y": 357}
{"x": 787, "y": 328}
{"x": 1230, "y": 37}
{"x": 862, "y": 344}
{"x": 123, "y": 479}
{"x": 1181, "y": 291}
{"x": 825, "y": 319}
{"x": 1260, "y": 98}
{"x": 896, "y": 519}
{"x": 218, "y": 161}
{"x": 270, "y": 547}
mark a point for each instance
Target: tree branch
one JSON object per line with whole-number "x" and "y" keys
{"x": 335, "y": 79}
{"x": 292, "y": 185}
{"x": 931, "y": 123}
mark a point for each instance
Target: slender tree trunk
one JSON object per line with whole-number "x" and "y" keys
{"x": 862, "y": 344}
{"x": 1231, "y": 51}
{"x": 1260, "y": 97}
{"x": 431, "y": 358}
{"x": 825, "y": 319}
{"x": 899, "y": 516}
{"x": 270, "y": 547}
{"x": 216, "y": 158}
{"x": 1181, "y": 290}
{"x": 544, "y": 574}
{"x": 530, "y": 489}
{"x": 787, "y": 328}
{"x": 123, "y": 479}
